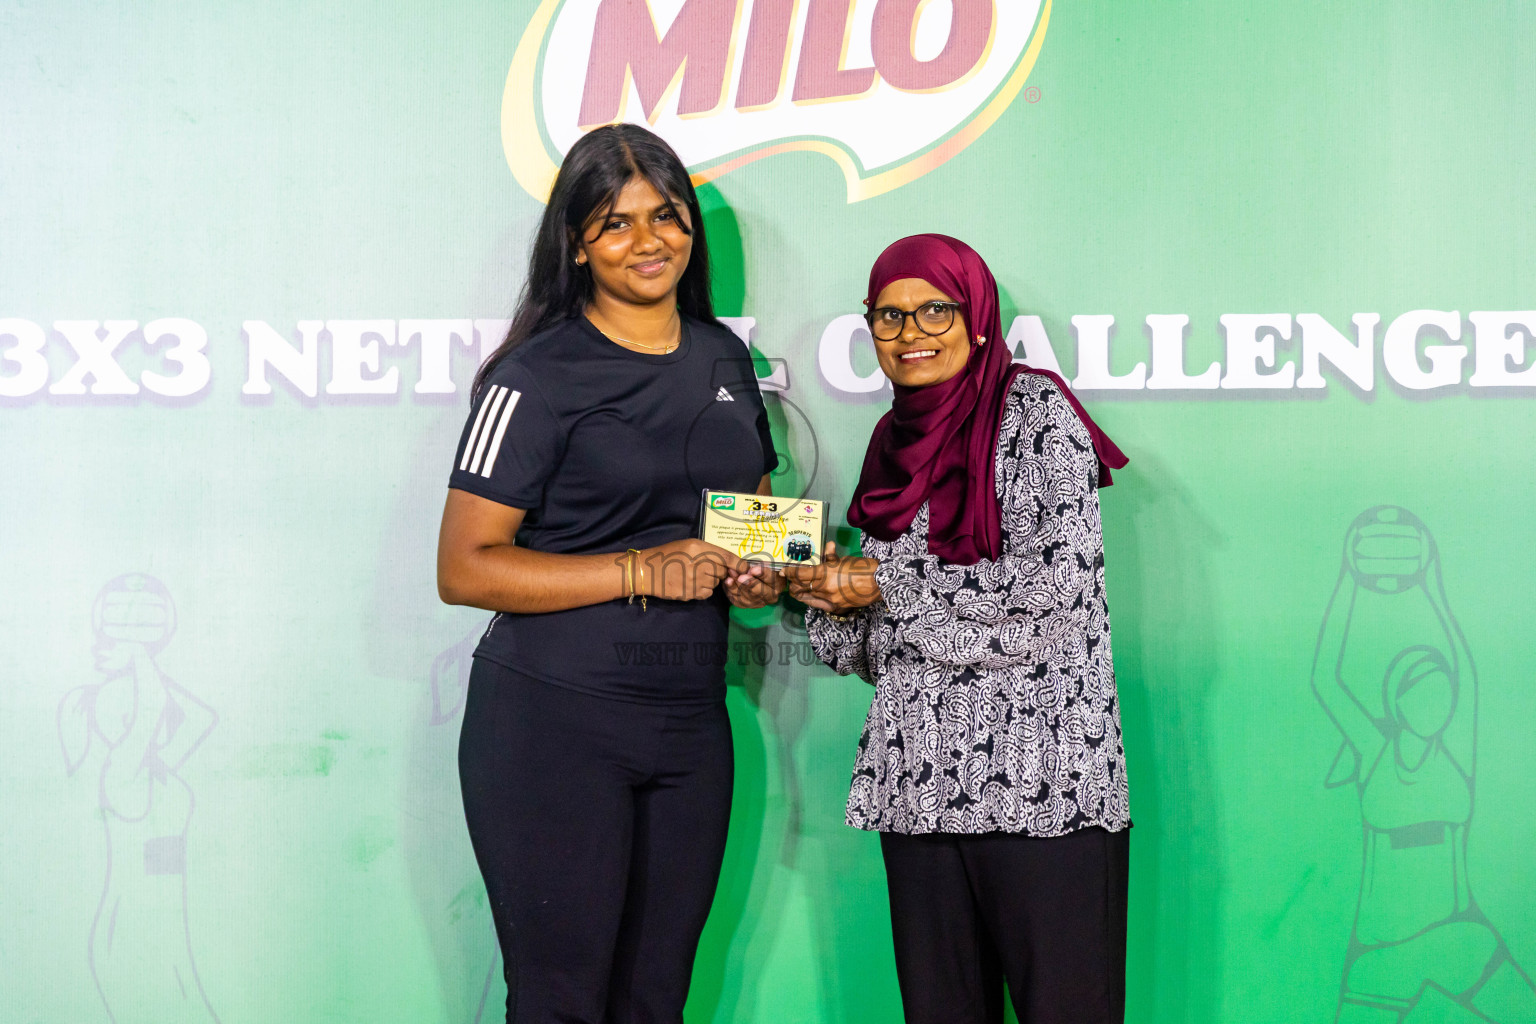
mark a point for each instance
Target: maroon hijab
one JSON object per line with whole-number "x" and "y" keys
{"x": 937, "y": 443}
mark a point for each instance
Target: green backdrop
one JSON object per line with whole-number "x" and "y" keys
{"x": 251, "y": 813}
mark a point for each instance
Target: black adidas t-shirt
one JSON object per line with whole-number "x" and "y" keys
{"x": 608, "y": 449}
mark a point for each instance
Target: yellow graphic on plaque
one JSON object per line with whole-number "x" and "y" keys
{"x": 763, "y": 528}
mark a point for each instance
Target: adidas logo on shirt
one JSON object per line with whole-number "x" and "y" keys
{"x": 723, "y": 395}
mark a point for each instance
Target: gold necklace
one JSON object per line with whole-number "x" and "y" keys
{"x": 668, "y": 347}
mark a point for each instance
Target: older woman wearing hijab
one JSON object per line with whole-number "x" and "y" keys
{"x": 991, "y": 762}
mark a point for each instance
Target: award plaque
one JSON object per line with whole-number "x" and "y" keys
{"x": 764, "y": 528}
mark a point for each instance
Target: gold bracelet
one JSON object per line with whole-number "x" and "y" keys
{"x": 634, "y": 553}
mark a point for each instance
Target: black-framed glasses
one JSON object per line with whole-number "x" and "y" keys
{"x": 932, "y": 318}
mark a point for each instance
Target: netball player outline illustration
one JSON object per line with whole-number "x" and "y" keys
{"x": 146, "y": 728}
{"x": 1393, "y": 672}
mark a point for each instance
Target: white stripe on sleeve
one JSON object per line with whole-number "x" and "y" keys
{"x": 501, "y": 431}
{"x": 485, "y": 435}
{"x": 469, "y": 446}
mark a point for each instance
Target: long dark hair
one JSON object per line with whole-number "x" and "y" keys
{"x": 595, "y": 171}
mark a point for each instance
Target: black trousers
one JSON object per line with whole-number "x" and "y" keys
{"x": 1046, "y": 915}
{"x": 599, "y": 826}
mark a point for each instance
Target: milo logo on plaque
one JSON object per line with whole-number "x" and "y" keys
{"x": 886, "y": 89}
{"x": 725, "y": 501}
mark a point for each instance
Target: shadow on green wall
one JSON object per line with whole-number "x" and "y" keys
{"x": 718, "y": 977}
{"x": 728, "y": 272}
{"x": 1162, "y": 607}
{"x": 795, "y": 876}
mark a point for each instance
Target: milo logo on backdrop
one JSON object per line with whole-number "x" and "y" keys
{"x": 887, "y": 89}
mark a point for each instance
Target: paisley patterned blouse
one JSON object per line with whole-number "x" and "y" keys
{"x": 995, "y": 707}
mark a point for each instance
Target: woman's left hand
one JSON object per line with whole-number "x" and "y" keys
{"x": 758, "y": 587}
{"x": 837, "y": 585}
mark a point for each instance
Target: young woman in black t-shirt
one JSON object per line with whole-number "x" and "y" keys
{"x": 596, "y": 758}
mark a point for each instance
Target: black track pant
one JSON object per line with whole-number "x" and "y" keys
{"x": 599, "y": 826}
{"x": 1047, "y": 915}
